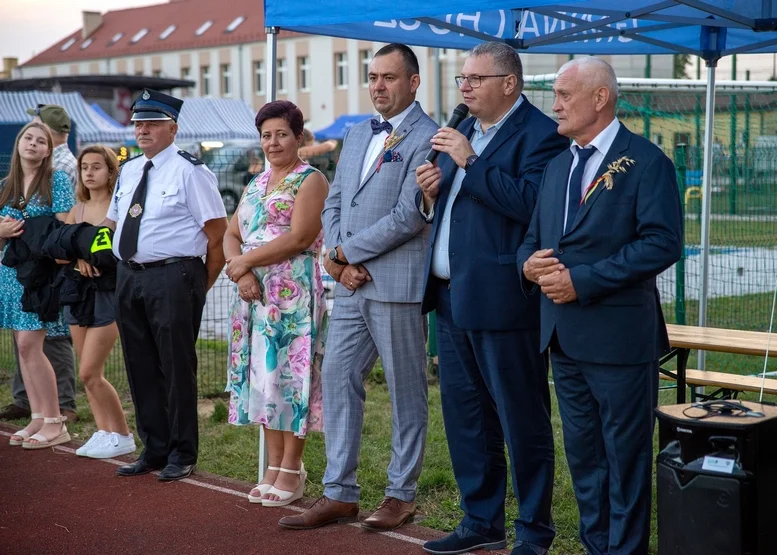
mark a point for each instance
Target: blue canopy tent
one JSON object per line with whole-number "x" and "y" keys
{"x": 709, "y": 29}
{"x": 338, "y": 127}
{"x": 103, "y": 114}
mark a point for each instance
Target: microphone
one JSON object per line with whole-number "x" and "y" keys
{"x": 459, "y": 113}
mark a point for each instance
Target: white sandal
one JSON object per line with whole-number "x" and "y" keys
{"x": 261, "y": 488}
{"x": 24, "y": 434}
{"x": 287, "y": 497}
{"x": 43, "y": 442}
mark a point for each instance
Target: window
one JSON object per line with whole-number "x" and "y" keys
{"x": 139, "y": 35}
{"x": 365, "y": 57}
{"x": 259, "y": 77}
{"x": 185, "y": 75}
{"x": 225, "y": 80}
{"x": 204, "y": 27}
{"x": 281, "y": 75}
{"x": 235, "y": 23}
{"x": 341, "y": 70}
{"x": 167, "y": 32}
{"x": 86, "y": 43}
{"x": 68, "y": 44}
{"x": 116, "y": 38}
{"x": 205, "y": 80}
{"x": 303, "y": 73}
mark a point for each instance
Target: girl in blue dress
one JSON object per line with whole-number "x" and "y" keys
{"x": 31, "y": 189}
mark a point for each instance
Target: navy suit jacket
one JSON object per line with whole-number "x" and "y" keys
{"x": 489, "y": 219}
{"x": 621, "y": 239}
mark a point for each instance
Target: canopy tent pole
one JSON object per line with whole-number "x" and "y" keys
{"x": 271, "y": 57}
{"x": 706, "y": 198}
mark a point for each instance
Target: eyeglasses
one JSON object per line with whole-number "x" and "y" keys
{"x": 474, "y": 80}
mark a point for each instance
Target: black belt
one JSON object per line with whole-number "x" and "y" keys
{"x": 444, "y": 282}
{"x": 146, "y": 265}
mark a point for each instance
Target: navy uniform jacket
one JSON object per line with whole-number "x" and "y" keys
{"x": 621, "y": 239}
{"x": 489, "y": 220}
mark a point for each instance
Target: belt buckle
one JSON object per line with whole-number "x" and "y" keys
{"x": 136, "y": 265}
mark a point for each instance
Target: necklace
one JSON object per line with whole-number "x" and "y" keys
{"x": 284, "y": 185}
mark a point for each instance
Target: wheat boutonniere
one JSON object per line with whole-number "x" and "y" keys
{"x": 621, "y": 165}
{"x": 391, "y": 141}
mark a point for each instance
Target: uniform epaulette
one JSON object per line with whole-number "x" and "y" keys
{"x": 128, "y": 159}
{"x": 190, "y": 158}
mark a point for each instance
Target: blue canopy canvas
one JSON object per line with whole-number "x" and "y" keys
{"x": 339, "y": 127}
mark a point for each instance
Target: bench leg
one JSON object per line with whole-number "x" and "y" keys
{"x": 682, "y": 364}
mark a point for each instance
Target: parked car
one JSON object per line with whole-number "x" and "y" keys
{"x": 234, "y": 165}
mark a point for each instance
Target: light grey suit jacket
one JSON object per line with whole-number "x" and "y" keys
{"x": 376, "y": 221}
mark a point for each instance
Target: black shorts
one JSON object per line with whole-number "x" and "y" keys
{"x": 104, "y": 312}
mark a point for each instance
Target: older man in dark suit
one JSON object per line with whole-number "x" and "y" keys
{"x": 493, "y": 379}
{"x": 608, "y": 221}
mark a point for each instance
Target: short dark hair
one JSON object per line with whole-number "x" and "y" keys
{"x": 281, "y": 109}
{"x": 408, "y": 56}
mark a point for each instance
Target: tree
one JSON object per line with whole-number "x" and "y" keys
{"x": 680, "y": 69}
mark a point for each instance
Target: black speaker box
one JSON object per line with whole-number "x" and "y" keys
{"x": 716, "y": 479}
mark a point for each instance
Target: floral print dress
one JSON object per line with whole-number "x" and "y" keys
{"x": 11, "y": 314}
{"x": 276, "y": 346}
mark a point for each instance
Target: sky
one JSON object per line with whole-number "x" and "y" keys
{"x": 28, "y": 27}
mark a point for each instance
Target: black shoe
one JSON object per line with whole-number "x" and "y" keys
{"x": 176, "y": 472}
{"x": 462, "y": 540}
{"x": 12, "y": 412}
{"x": 137, "y": 468}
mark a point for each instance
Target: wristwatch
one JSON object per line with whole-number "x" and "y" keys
{"x": 333, "y": 257}
{"x": 470, "y": 160}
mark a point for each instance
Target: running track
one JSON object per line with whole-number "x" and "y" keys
{"x": 57, "y": 503}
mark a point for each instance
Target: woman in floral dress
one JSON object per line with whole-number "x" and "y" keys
{"x": 31, "y": 189}
{"x": 278, "y": 316}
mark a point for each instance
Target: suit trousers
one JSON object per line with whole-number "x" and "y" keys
{"x": 608, "y": 420}
{"x": 494, "y": 388}
{"x": 59, "y": 351}
{"x": 158, "y": 312}
{"x": 360, "y": 330}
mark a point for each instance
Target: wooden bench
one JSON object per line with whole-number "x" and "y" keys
{"x": 727, "y": 384}
{"x": 683, "y": 339}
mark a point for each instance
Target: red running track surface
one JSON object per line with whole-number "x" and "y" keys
{"x": 57, "y": 503}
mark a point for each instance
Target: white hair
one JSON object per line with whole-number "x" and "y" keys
{"x": 597, "y": 73}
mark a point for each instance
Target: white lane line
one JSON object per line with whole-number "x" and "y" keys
{"x": 393, "y": 535}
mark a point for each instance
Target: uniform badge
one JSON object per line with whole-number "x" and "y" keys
{"x": 146, "y": 96}
{"x": 136, "y": 210}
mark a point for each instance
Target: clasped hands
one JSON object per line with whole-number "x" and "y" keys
{"x": 351, "y": 276}
{"x": 552, "y": 276}
{"x": 239, "y": 271}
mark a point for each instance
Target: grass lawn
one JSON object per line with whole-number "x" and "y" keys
{"x": 231, "y": 451}
{"x": 734, "y": 233}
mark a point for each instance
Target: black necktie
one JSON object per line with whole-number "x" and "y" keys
{"x": 128, "y": 243}
{"x": 576, "y": 184}
{"x": 378, "y": 126}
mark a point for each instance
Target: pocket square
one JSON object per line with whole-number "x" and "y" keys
{"x": 392, "y": 156}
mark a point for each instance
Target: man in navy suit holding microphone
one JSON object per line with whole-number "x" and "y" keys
{"x": 493, "y": 379}
{"x": 608, "y": 221}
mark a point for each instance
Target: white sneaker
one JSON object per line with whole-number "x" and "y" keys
{"x": 112, "y": 445}
{"x": 96, "y": 437}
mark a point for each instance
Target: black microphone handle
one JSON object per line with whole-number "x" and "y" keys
{"x": 457, "y": 117}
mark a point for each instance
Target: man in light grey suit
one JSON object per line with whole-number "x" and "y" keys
{"x": 377, "y": 238}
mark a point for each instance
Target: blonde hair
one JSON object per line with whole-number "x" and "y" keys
{"x": 13, "y": 186}
{"x": 82, "y": 193}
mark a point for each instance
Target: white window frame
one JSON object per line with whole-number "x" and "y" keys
{"x": 259, "y": 77}
{"x": 282, "y": 76}
{"x": 341, "y": 70}
{"x": 204, "y": 27}
{"x": 70, "y": 42}
{"x": 303, "y": 77}
{"x": 364, "y": 66}
{"x": 205, "y": 88}
{"x": 139, "y": 35}
{"x": 167, "y": 32}
{"x": 235, "y": 24}
{"x": 116, "y": 38}
{"x": 226, "y": 79}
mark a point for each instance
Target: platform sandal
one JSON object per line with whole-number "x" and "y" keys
{"x": 24, "y": 434}
{"x": 43, "y": 442}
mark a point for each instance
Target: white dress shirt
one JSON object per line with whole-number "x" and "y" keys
{"x": 441, "y": 264}
{"x": 376, "y": 144}
{"x": 603, "y": 141}
{"x": 180, "y": 198}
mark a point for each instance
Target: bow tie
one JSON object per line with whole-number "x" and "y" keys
{"x": 378, "y": 126}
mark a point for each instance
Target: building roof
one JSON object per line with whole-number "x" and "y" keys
{"x": 67, "y": 83}
{"x": 175, "y": 25}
